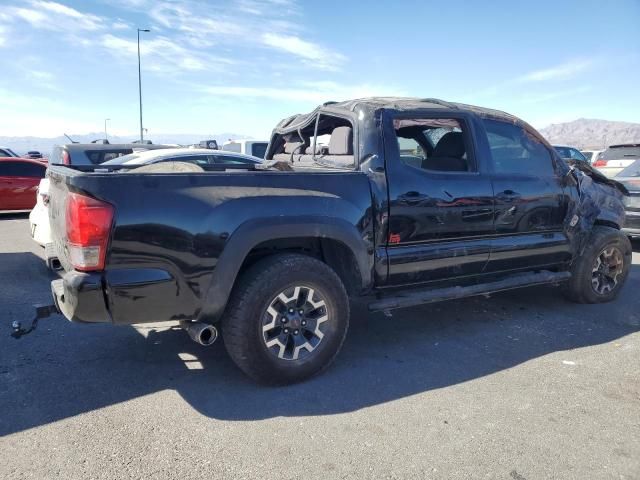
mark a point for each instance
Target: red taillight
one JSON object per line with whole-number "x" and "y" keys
{"x": 600, "y": 163}
{"x": 88, "y": 226}
{"x": 66, "y": 160}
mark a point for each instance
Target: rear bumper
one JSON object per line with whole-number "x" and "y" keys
{"x": 79, "y": 297}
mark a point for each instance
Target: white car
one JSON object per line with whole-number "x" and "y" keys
{"x": 255, "y": 148}
{"x": 616, "y": 158}
{"x": 592, "y": 155}
{"x": 39, "y": 224}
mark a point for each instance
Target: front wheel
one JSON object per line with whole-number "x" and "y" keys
{"x": 287, "y": 319}
{"x": 600, "y": 272}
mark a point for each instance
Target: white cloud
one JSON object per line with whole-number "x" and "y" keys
{"x": 55, "y": 16}
{"x": 309, "y": 92}
{"x": 310, "y": 52}
{"x": 559, "y": 72}
{"x": 3, "y": 35}
{"x": 120, "y": 25}
{"x": 163, "y": 55}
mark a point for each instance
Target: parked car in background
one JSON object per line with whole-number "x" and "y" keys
{"x": 255, "y": 148}
{"x": 7, "y": 152}
{"x": 19, "y": 178}
{"x": 616, "y": 158}
{"x": 591, "y": 155}
{"x": 95, "y": 153}
{"x": 39, "y": 226}
{"x": 630, "y": 178}
{"x": 199, "y": 156}
{"x": 570, "y": 153}
{"x": 34, "y": 154}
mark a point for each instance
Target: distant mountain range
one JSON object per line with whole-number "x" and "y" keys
{"x": 582, "y": 133}
{"x": 44, "y": 145}
{"x": 587, "y": 133}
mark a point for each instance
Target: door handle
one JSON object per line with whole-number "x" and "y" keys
{"x": 413, "y": 198}
{"x": 508, "y": 196}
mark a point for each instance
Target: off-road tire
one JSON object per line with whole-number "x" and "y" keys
{"x": 253, "y": 294}
{"x": 580, "y": 288}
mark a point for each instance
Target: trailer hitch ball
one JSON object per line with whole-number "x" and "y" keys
{"x": 42, "y": 311}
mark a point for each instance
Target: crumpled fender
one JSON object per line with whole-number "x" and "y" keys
{"x": 599, "y": 200}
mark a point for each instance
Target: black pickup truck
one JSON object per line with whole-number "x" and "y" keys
{"x": 401, "y": 201}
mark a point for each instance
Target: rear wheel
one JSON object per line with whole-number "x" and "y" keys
{"x": 286, "y": 319}
{"x": 600, "y": 272}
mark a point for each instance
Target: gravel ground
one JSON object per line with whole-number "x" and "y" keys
{"x": 520, "y": 386}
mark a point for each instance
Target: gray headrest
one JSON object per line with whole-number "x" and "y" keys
{"x": 450, "y": 145}
{"x": 291, "y": 147}
{"x": 341, "y": 142}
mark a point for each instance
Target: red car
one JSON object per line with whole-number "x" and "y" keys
{"x": 19, "y": 179}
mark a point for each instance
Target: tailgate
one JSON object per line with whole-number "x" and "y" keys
{"x": 58, "y": 191}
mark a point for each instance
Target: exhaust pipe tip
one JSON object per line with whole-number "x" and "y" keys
{"x": 201, "y": 333}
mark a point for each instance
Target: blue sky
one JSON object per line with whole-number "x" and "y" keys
{"x": 216, "y": 66}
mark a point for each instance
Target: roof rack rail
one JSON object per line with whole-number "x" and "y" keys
{"x": 330, "y": 102}
{"x": 439, "y": 102}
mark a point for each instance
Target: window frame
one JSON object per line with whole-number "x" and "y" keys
{"x": 553, "y": 155}
{"x": 468, "y": 131}
{"x": 354, "y": 134}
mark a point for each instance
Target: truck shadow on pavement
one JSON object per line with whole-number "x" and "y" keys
{"x": 63, "y": 370}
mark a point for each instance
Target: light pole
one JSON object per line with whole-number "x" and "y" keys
{"x": 106, "y": 137}
{"x": 140, "y": 79}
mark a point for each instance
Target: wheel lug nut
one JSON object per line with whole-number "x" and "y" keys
{"x": 301, "y": 312}
{"x": 283, "y": 320}
{"x": 304, "y": 322}
{"x": 286, "y": 330}
{"x": 291, "y": 310}
{"x": 295, "y": 332}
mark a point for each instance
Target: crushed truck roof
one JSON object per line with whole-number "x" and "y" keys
{"x": 400, "y": 104}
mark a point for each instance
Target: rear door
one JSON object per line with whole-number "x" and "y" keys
{"x": 19, "y": 183}
{"x": 440, "y": 198}
{"x": 530, "y": 200}
{"x": 7, "y": 199}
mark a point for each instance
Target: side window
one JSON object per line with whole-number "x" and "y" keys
{"x": 99, "y": 156}
{"x": 111, "y": 155}
{"x": 436, "y": 144}
{"x": 259, "y": 149}
{"x": 228, "y": 159}
{"x": 197, "y": 159}
{"x": 22, "y": 169}
{"x": 514, "y": 150}
{"x": 33, "y": 170}
{"x": 576, "y": 155}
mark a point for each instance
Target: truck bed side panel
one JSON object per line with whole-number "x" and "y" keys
{"x": 171, "y": 231}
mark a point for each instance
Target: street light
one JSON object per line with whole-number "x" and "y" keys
{"x": 106, "y": 137}
{"x": 140, "y": 79}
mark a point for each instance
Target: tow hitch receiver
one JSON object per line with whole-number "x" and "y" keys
{"x": 42, "y": 311}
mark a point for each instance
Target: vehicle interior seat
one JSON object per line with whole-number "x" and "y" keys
{"x": 340, "y": 149}
{"x": 292, "y": 151}
{"x": 448, "y": 154}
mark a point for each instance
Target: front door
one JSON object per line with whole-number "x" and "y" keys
{"x": 530, "y": 201}
{"x": 440, "y": 201}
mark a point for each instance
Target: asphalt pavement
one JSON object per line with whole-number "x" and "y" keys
{"x": 522, "y": 385}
